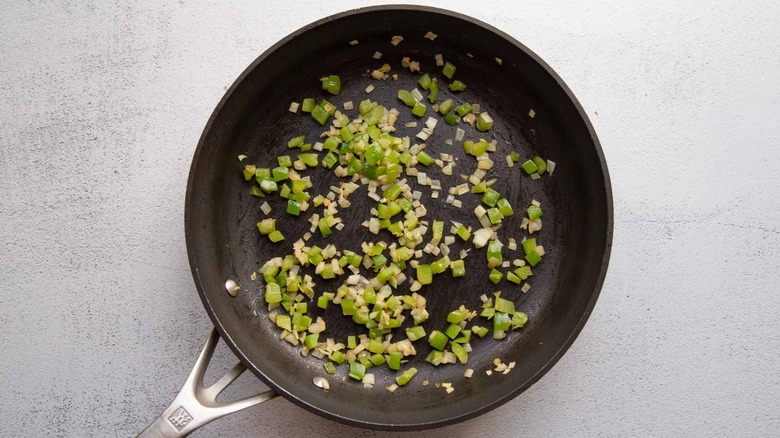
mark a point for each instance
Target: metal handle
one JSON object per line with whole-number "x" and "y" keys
{"x": 196, "y": 406}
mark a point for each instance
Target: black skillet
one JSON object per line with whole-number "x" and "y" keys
{"x": 253, "y": 119}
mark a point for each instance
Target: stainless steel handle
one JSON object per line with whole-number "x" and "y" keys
{"x": 196, "y": 406}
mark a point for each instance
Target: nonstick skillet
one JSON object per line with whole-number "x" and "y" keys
{"x": 253, "y": 120}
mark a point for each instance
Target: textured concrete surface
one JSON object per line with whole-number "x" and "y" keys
{"x": 102, "y": 104}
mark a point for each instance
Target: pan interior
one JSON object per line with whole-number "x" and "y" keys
{"x": 253, "y": 119}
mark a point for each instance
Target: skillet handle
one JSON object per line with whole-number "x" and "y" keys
{"x": 196, "y": 406}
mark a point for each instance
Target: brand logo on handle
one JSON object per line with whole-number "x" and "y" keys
{"x": 180, "y": 418}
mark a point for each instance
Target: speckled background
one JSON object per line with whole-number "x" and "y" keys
{"x": 102, "y": 104}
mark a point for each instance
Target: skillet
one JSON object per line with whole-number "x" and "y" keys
{"x": 253, "y": 119}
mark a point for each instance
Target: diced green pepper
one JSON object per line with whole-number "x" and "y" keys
{"x": 494, "y": 215}
{"x": 519, "y": 319}
{"x": 425, "y": 81}
{"x": 529, "y": 245}
{"x": 438, "y": 340}
{"x": 424, "y": 274}
{"x": 309, "y": 159}
{"x": 416, "y": 332}
{"x": 495, "y": 276}
{"x": 530, "y": 167}
{"x": 533, "y": 257}
{"x": 266, "y": 226}
{"x": 540, "y": 164}
{"x": 501, "y": 322}
{"x": 293, "y": 207}
{"x": 394, "y": 361}
{"x": 348, "y": 307}
{"x": 490, "y": 197}
{"x": 458, "y": 268}
{"x": 330, "y": 160}
{"x": 308, "y": 105}
{"x": 505, "y": 207}
{"x": 463, "y": 109}
{"x": 480, "y": 331}
{"x": 357, "y": 371}
{"x": 331, "y": 84}
{"x": 407, "y": 98}
{"x": 273, "y": 293}
{"x": 255, "y": 191}
{"x": 464, "y": 233}
{"x": 392, "y": 192}
{"x": 445, "y": 107}
{"x": 457, "y": 86}
{"x": 320, "y": 115}
{"x": 512, "y": 277}
{"x": 451, "y": 119}
{"x": 440, "y": 265}
{"x": 374, "y": 153}
{"x": 424, "y": 158}
{"x": 296, "y": 142}
{"x": 407, "y": 375}
{"x": 503, "y": 305}
{"x": 249, "y": 171}
{"x": 524, "y": 272}
{"x": 448, "y": 70}
{"x": 374, "y": 116}
{"x": 418, "y": 109}
{"x": 284, "y": 322}
{"x": 460, "y": 353}
{"x": 433, "y": 94}
{"x": 268, "y": 186}
{"x": 310, "y": 341}
{"x": 452, "y": 331}
{"x": 515, "y": 157}
{"x": 534, "y": 212}
{"x": 484, "y": 122}
{"x": 322, "y": 302}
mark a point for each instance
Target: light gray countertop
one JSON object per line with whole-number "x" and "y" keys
{"x": 103, "y": 103}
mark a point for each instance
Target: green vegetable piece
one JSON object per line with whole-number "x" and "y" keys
{"x": 348, "y": 307}
{"x": 373, "y": 132}
{"x": 534, "y": 212}
{"x": 416, "y": 332}
{"x": 504, "y": 305}
{"x": 374, "y": 153}
{"x": 452, "y": 331}
{"x": 268, "y": 186}
{"x": 490, "y": 197}
{"x": 463, "y": 109}
{"x": 456, "y": 316}
{"x": 328, "y": 107}
{"x": 273, "y": 293}
{"x": 480, "y": 331}
{"x": 249, "y": 171}
{"x": 374, "y": 116}
{"x": 523, "y": 272}
{"x": 303, "y": 322}
{"x": 495, "y": 276}
{"x": 296, "y": 142}
{"x": 451, "y": 119}
{"x": 458, "y": 268}
{"x": 440, "y": 265}
{"x": 255, "y": 191}
{"x": 514, "y": 156}
{"x": 322, "y": 302}
{"x": 445, "y": 107}
{"x": 309, "y": 159}
{"x": 407, "y": 98}
{"x": 533, "y": 257}
{"x": 308, "y": 105}
{"x": 331, "y": 143}
{"x": 464, "y": 233}
{"x": 320, "y": 115}
{"x": 457, "y": 86}
{"x": 505, "y": 207}
{"x": 338, "y": 357}
{"x": 285, "y": 192}
{"x": 448, "y": 70}
{"x": 484, "y": 122}
{"x": 435, "y": 357}
{"x": 376, "y": 346}
{"x": 465, "y": 337}
{"x": 460, "y": 353}
{"x": 284, "y": 161}
{"x": 310, "y": 341}
{"x": 357, "y": 371}
{"x": 512, "y": 277}
{"x": 329, "y": 367}
{"x": 392, "y": 192}
{"x": 284, "y": 322}
{"x": 494, "y": 215}
{"x": 330, "y": 160}
{"x": 293, "y": 207}
{"x": 529, "y": 245}
{"x": 438, "y": 230}
{"x": 530, "y": 167}
{"x": 266, "y": 226}
{"x": 438, "y": 340}
{"x": 418, "y": 109}
{"x": 351, "y": 342}
{"x": 424, "y": 274}
{"x": 386, "y": 274}
{"x": 394, "y": 361}
{"x": 280, "y": 173}
{"x": 425, "y": 81}
{"x": 425, "y": 159}
{"x": 407, "y": 375}
{"x": 433, "y": 94}
{"x": 519, "y": 319}
{"x": 377, "y": 359}
{"x": 331, "y": 84}
{"x": 540, "y": 164}
{"x": 392, "y": 303}
{"x": 501, "y": 322}
{"x": 494, "y": 258}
